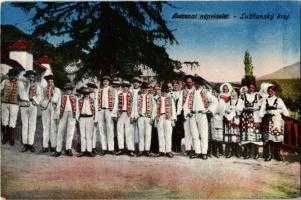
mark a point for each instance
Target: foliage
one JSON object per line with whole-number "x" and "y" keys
{"x": 108, "y": 37}
{"x": 249, "y": 78}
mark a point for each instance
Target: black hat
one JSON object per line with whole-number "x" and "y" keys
{"x": 144, "y": 85}
{"x": 91, "y": 85}
{"x": 107, "y": 77}
{"x": 126, "y": 84}
{"x": 13, "y": 72}
{"x": 165, "y": 88}
{"x": 48, "y": 77}
{"x": 189, "y": 76}
{"x": 84, "y": 90}
{"x": 30, "y": 72}
{"x": 68, "y": 86}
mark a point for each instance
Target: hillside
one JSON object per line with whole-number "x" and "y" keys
{"x": 288, "y": 72}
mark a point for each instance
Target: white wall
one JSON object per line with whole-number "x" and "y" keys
{"x": 23, "y": 57}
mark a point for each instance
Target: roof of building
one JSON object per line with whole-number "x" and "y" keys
{"x": 20, "y": 45}
{"x": 5, "y": 56}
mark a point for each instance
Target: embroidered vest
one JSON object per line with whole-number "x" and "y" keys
{"x": 204, "y": 99}
{"x": 110, "y": 99}
{"x": 148, "y": 104}
{"x": 250, "y": 104}
{"x": 72, "y": 102}
{"x": 128, "y": 103}
{"x": 10, "y": 92}
{"x": 272, "y": 107}
{"x": 91, "y": 103}
{"x": 50, "y": 91}
{"x": 190, "y": 98}
{"x": 168, "y": 107}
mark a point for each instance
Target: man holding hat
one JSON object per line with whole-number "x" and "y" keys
{"x": 50, "y": 113}
{"x": 146, "y": 104}
{"x": 166, "y": 116}
{"x": 86, "y": 121}
{"x": 106, "y": 101}
{"x": 30, "y": 96}
{"x": 68, "y": 117}
{"x": 9, "y": 107}
{"x": 124, "y": 127}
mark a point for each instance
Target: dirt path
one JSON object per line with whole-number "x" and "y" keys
{"x": 26, "y": 175}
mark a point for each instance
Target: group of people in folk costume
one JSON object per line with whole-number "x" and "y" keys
{"x": 230, "y": 123}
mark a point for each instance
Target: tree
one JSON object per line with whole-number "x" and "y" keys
{"x": 108, "y": 37}
{"x": 248, "y": 78}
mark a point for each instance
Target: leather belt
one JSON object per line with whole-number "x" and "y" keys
{"x": 84, "y": 115}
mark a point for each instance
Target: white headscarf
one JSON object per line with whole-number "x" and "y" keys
{"x": 243, "y": 88}
{"x": 229, "y": 88}
{"x": 264, "y": 89}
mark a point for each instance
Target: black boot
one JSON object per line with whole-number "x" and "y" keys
{"x": 25, "y": 148}
{"x": 256, "y": 152}
{"x": 277, "y": 151}
{"x": 120, "y": 152}
{"x": 237, "y": 150}
{"x": 209, "y": 152}
{"x": 11, "y": 136}
{"x": 246, "y": 151}
{"x": 267, "y": 151}
{"x": 228, "y": 150}
{"x": 31, "y": 148}
{"x": 4, "y": 130}
{"x": 217, "y": 150}
{"x": 220, "y": 149}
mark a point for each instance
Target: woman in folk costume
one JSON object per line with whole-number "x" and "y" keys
{"x": 146, "y": 104}
{"x": 242, "y": 91}
{"x": 30, "y": 96}
{"x": 9, "y": 106}
{"x": 107, "y": 100}
{"x": 86, "y": 110}
{"x": 218, "y": 132}
{"x": 232, "y": 130}
{"x": 68, "y": 117}
{"x": 124, "y": 127}
{"x": 50, "y": 113}
{"x": 251, "y": 136}
{"x": 166, "y": 117}
{"x": 272, "y": 110}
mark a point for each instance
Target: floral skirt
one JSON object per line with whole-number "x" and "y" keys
{"x": 250, "y": 130}
{"x": 273, "y": 128}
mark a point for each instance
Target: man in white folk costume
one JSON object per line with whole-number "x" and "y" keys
{"x": 204, "y": 103}
{"x": 146, "y": 104}
{"x": 30, "y": 96}
{"x": 50, "y": 113}
{"x": 106, "y": 101}
{"x": 9, "y": 106}
{"x": 166, "y": 116}
{"x": 93, "y": 87}
{"x": 135, "y": 115}
{"x": 68, "y": 117}
{"x": 86, "y": 106}
{"x": 125, "y": 130}
{"x": 185, "y": 104}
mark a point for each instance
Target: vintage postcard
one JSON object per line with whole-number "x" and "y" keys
{"x": 150, "y": 99}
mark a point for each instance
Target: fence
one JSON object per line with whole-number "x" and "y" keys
{"x": 292, "y": 139}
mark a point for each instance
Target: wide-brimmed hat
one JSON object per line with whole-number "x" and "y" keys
{"x": 137, "y": 79}
{"x": 189, "y": 76}
{"x": 30, "y": 72}
{"x": 48, "y": 77}
{"x": 13, "y": 72}
{"x": 84, "y": 90}
{"x": 68, "y": 86}
{"x": 125, "y": 84}
{"x": 106, "y": 77}
{"x": 91, "y": 85}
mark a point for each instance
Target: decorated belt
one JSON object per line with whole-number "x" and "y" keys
{"x": 84, "y": 115}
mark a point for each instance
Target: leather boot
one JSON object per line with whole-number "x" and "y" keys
{"x": 267, "y": 151}
{"x": 277, "y": 151}
{"x": 220, "y": 150}
{"x": 4, "y": 134}
{"x": 209, "y": 152}
{"x": 256, "y": 151}
{"x": 246, "y": 151}
{"x": 228, "y": 150}
{"x": 11, "y": 136}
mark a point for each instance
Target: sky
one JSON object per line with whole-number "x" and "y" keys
{"x": 219, "y": 45}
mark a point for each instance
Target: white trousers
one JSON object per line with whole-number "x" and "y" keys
{"x": 145, "y": 133}
{"x": 9, "y": 114}
{"x": 164, "y": 134}
{"x": 50, "y": 127}
{"x": 199, "y": 131}
{"x": 106, "y": 129}
{"x": 29, "y": 119}
{"x": 95, "y": 134}
{"x": 125, "y": 129}
{"x": 66, "y": 125}
{"x": 86, "y": 127}
{"x": 188, "y": 134}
